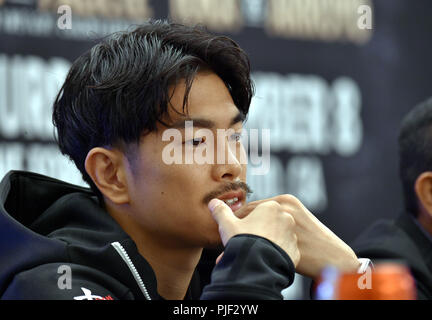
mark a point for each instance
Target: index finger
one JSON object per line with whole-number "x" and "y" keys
{"x": 249, "y": 207}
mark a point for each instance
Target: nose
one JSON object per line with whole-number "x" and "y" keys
{"x": 228, "y": 167}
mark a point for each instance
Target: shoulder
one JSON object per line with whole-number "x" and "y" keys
{"x": 398, "y": 240}
{"x": 68, "y": 281}
{"x": 384, "y": 237}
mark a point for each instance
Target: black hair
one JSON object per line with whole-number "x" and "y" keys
{"x": 118, "y": 90}
{"x": 415, "y": 151}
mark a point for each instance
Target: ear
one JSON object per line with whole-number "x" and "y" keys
{"x": 106, "y": 169}
{"x": 423, "y": 189}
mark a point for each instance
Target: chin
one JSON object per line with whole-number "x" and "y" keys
{"x": 213, "y": 244}
{"x": 211, "y": 240}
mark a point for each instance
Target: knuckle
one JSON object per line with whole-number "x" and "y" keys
{"x": 289, "y": 219}
{"x": 295, "y": 238}
{"x": 287, "y": 198}
{"x": 270, "y": 205}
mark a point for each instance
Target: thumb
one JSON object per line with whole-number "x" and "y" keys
{"x": 221, "y": 212}
{"x": 219, "y": 258}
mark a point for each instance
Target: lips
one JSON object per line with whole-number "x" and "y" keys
{"x": 233, "y": 199}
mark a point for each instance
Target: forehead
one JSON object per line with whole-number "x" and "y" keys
{"x": 208, "y": 98}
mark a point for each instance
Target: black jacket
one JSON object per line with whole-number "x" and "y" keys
{"x": 401, "y": 239}
{"x": 50, "y": 229}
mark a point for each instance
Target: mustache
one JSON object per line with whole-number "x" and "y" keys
{"x": 231, "y": 186}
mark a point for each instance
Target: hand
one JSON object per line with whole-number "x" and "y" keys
{"x": 319, "y": 246}
{"x": 267, "y": 220}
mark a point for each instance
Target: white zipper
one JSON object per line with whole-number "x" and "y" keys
{"x": 124, "y": 255}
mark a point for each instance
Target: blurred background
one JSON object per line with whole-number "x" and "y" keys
{"x": 333, "y": 80}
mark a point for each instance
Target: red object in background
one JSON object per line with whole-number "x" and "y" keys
{"x": 387, "y": 281}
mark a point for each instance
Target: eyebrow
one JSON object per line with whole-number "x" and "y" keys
{"x": 205, "y": 123}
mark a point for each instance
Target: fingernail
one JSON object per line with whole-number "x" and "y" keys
{"x": 213, "y": 204}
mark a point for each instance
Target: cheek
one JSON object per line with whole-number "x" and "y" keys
{"x": 173, "y": 187}
{"x": 185, "y": 187}
{"x": 169, "y": 199}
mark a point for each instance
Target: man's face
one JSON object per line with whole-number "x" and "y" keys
{"x": 169, "y": 201}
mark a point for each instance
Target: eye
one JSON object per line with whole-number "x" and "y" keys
{"x": 236, "y": 136}
{"x": 195, "y": 141}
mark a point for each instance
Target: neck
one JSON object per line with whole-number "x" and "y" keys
{"x": 173, "y": 267}
{"x": 172, "y": 264}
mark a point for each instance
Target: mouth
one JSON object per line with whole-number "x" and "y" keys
{"x": 234, "y": 199}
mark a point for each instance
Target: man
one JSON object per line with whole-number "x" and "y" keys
{"x": 140, "y": 232}
{"x": 408, "y": 238}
